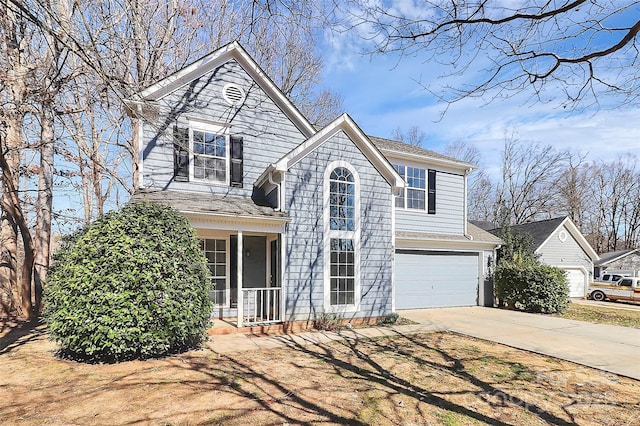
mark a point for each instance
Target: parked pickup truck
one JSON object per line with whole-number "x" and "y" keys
{"x": 627, "y": 288}
{"x": 607, "y": 278}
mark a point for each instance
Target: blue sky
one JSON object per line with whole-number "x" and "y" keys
{"x": 384, "y": 92}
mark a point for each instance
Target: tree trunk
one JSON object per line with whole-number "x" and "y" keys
{"x": 45, "y": 202}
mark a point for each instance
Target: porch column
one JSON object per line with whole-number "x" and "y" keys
{"x": 283, "y": 287}
{"x": 240, "y": 256}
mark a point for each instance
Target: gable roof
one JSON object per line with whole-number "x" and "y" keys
{"x": 542, "y": 230}
{"x": 346, "y": 124}
{"x": 231, "y": 51}
{"x": 401, "y": 149}
{"x": 613, "y": 256}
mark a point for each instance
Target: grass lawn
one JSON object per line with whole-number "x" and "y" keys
{"x": 600, "y": 315}
{"x": 434, "y": 379}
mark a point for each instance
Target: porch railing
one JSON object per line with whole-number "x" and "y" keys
{"x": 261, "y": 305}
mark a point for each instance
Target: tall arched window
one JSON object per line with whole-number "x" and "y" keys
{"x": 342, "y": 200}
{"x": 342, "y": 237}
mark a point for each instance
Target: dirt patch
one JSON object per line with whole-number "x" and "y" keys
{"x": 438, "y": 378}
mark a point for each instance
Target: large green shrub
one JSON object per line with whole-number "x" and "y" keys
{"x": 525, "y": 283}
{"x": 133, "y": 285}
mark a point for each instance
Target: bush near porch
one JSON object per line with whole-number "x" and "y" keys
{"x": 133, "y": 285}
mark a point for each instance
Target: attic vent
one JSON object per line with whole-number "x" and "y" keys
{"x": 233, "y": 94}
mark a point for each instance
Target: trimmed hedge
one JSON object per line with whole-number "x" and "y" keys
{"x": 526, "y": 284}
{"x": 133, "y": 285}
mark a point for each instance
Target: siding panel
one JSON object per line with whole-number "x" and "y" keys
{"x": 305, "y": 263}
{"x": 449, "y": 217}
{"x": 268, "y": 134}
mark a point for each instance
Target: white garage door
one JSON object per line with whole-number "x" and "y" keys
{"x": 435, "y": 279}
{"x": 575, "y": 277}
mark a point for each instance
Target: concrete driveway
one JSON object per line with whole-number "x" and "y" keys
{"x": 605, "y": 347}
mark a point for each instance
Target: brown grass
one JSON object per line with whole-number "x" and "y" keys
{"x": 435, "y": 379}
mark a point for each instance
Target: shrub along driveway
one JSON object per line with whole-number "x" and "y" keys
{"x": 605, "y": 347}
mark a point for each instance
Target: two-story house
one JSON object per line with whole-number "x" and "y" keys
{"x": 297, "y": 221}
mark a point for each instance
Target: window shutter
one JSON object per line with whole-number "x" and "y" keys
{"x": 431, "y": 201}
{"x": 236, "y": 161}
{"x": 180, "y": 154}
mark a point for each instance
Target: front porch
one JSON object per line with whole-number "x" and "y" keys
{"x": 246, "y": 271}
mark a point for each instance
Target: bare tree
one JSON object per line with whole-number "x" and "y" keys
{"x": 574, "y": 50}
{"x": 480, "y": 190}
{"x": 530, "y": 180}
{"x": 613, "y": 219}
{"x": 412, "y": 136}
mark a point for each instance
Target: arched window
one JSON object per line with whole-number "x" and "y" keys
{"x": 342, "y": 238}
{"x": 342, "y": 200}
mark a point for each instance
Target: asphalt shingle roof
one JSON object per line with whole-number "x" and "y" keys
{"x": 401, "y": 147}
{"x": 213, "y": 204}
{"x": 539, "y": 231}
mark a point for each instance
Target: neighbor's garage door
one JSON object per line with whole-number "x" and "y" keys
{"x": 575, "y": 277}
{"x": 435, "y": 279}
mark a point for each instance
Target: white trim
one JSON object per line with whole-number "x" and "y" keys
{"x": 240, "y": 296}
{"x": 329, "y": 234}
{"x": 393, "y": 252}
{"x": 216, "y": 129}
{"x": 350, "y": 128}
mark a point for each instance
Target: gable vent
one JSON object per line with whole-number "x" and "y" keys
{"x": 233, "y": 94}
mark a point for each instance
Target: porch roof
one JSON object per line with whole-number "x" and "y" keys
{"x": 210, "y": 204}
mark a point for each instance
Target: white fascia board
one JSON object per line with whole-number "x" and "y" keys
{"x": 213, "y": 60}
{"x": 457, "y": 165}
{"x": 346, "y": 124}
{"x": 582, "y": 241}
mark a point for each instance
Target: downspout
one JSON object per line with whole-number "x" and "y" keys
{"x": 464, "y": 208}
{"x": 277, "y": 185}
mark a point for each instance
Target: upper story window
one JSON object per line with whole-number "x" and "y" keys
{"x": 207, "y": 153}
{"x": 210, "y": 158}
{"x": 420, "y": 193}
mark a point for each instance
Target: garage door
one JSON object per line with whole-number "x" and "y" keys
{"x": 575, "y": 277}
{"x": 436, "y": 279}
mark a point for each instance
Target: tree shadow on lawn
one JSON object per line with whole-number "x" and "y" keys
{"x": 257, "y": 392}
{"x": 370, "y": 371}
{"x": 19, "y": 333}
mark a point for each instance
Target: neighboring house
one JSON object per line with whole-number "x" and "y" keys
{"x": 622, "y": 260}
{"x": 558, "y": 242}
{"x": 296, "y": 221}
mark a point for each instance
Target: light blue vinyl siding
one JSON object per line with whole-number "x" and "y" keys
{"x": 449, "y": 217}
{"x": 304, "y": 273}
{"x": 267, "y": 132}
{"x": 564, "y": 254}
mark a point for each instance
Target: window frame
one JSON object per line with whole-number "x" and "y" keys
{"x": 227, "y": 276}
{"x": 333, "y": 234}
{"x": 429, "y": 189}
{"x": 214, "y": 130}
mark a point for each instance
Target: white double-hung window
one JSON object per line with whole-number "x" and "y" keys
{"x": 210, "y": 154}
{"x": 420, "y": 193}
